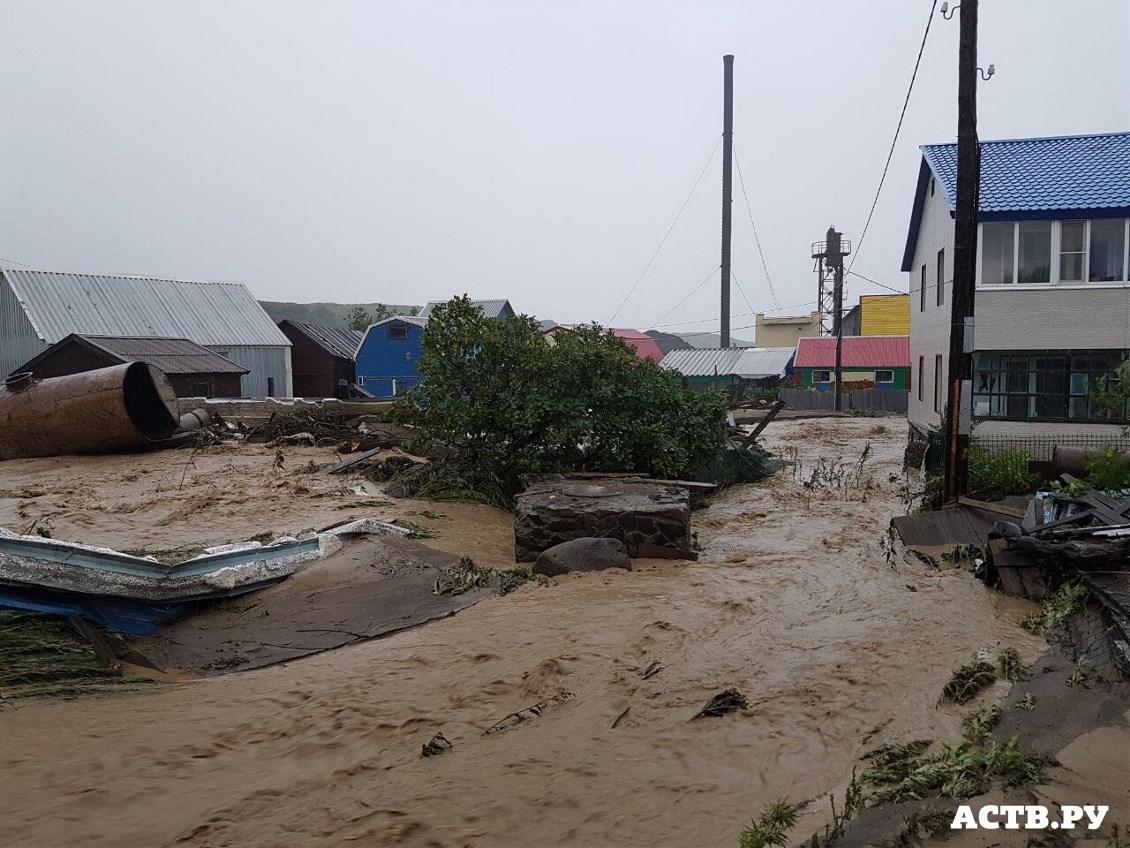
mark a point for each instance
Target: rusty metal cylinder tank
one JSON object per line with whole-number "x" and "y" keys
{"x": 1073, "y": 461}
{"x": 125, "y": 406}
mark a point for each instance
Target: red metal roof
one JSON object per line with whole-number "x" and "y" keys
{"x": 646, "y": 347}
{"x": 858, "y": 352}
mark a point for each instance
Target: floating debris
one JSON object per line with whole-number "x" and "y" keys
{"x": 723, "y": 703}
{"x": 463, "y": 578}
{"x": 968, "y": 680}
{"x": 652, "y": 669}
{"x": 438, "y": 744}
{"x": 1027, "y": 703}
{"x": 522, "y": 716}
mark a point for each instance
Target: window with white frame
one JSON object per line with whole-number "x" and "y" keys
{"x": 1048, "y": 252}
{"x": 821, "y": 376}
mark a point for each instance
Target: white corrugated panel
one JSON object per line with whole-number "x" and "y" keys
{"x": 208, "y": 313}
{"x": 739, "y": 361}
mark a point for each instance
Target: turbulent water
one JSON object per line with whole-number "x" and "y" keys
{"x": 794, "y": 604}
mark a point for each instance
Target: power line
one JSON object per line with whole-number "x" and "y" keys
{"x": 692, "y": 292}
{"x": 746, "y": 299}
{"x": 666, "y": 234}
{"x": 894, "y": 141}
{"x": 877, "y": 283}
{"x": 14, "y": 262}
{"x": 738, "y": 315}
{"x": 756, "y": 238}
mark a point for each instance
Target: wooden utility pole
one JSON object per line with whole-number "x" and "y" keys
{"x": 727, "y": 185}
{"x": 960, "y": 380}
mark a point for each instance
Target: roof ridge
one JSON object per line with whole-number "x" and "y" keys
{"x": 1030, "y": 139}
{"x": 128, "y": 277}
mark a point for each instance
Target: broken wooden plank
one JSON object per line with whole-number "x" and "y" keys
{"x": 1001, "y": 509}
{"x": 349, "y": 463}
{"x": 764, "y": 422}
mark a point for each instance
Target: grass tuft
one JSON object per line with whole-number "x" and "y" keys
{"x": 1056, "y": 609}
{"x": 968, "y": 680}
{"x": 771, "y": 827}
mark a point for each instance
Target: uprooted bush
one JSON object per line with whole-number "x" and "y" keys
{"x": 497, "y": 401}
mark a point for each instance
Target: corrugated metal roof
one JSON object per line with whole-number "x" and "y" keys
{"x": 645, "y": 346}
{"x": 173, "y": 356}
{"x": 1077, "y": 173}
{"x": 749, "y": 362}
{"x": 220, "y": 314}
{"x": 334, "y": 340}
{"x": 858, "y": 352}
{"x": 491, "y": 308}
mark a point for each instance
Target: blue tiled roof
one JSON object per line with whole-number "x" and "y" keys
{"x": 1043, "y": 174}
{"x": 1024, "y": 179}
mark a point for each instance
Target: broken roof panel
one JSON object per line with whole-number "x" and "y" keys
{"x": 746, "y": 362}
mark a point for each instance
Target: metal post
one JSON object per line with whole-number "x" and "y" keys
{"x": 964, "y": 252}
{"x": 838, "y": 317}
{"x": 727, "y": 180}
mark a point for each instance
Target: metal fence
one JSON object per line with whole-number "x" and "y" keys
{"x": 870, "y": 400}
{"x": 1040, "y": 448}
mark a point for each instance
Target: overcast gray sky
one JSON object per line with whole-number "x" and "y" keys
{"x": 403, "y": 152}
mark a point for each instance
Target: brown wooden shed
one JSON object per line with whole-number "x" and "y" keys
{"x": 193, "y": 370}
{"x": 322, "y": 358}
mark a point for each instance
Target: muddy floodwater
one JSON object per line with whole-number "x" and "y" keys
{"x": 793, "y": 603}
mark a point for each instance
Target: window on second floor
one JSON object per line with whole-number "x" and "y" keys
{"x": 1046, "y": 252}
{"x": 941, "y": 297}
{"x": 922, "y": 291}
{"x": 397, "y": 332}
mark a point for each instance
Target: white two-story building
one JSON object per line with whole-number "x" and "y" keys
{"x": 1053, "y": 298}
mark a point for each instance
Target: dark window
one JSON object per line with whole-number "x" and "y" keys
{"x": 922, "y": 292}
{"x": 921, "y": 376}
{"x": 1041, "y": 385}
{"x": 884, "y": 376}
{"x": 201, "y": 389}
{"x": 397, "y": 332}
{"x": 938, "y": 384}
{"x": 931, "y": 186}
{"x": 941, "y": 276}
{"x": 821, "y": 376}
{"x": 270, "y": 387}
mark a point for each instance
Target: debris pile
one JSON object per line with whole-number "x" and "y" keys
{"x": 651, "y": 517}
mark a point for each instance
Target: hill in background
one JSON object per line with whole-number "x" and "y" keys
{"x": 327, "y": 314}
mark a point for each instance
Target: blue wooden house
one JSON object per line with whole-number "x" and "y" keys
{"x": 386, "y": 357}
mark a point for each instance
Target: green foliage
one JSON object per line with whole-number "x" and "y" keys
{"x": 905, "y": 773}
{"x": 36, "y": 650}
{"x": 496, "y": 399}
{"x": 995, "y": 475}
{"x": 967, "y": 680}
{"x": 760, "y": 393}
{"x": 1112, "y": 391}
{"x": 1012, "y": 667}
{"x": 1107, "y": 471}
{"x": 1056, "y": 609}
{"x": 359, "y": 318}
{"x": 980, "y": 723}
{"x": 771, "y": 827}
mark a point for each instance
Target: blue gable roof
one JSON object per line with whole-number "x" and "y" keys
{"x": 1081, "y": 176}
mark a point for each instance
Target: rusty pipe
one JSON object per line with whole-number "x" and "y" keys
{"x": 125, "y": 406}
{"x": 1073, "y": 461}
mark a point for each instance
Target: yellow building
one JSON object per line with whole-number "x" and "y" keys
{"x": 884, "y": 315}
{"x": 785, "y": 331}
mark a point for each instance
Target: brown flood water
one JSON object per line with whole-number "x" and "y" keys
{"x": 793, "y": 604}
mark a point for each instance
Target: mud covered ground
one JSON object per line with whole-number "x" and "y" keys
{"x": 794, "y": 603}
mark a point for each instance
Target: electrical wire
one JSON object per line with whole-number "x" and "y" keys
{"x": 14, "y": 262}
{"x": 749, "y": 305}
{"x": 692, "y": 292}
{"x": 663, "y": 241}
{"x": 756, "y": 238}
{"x": 894, "y": 141}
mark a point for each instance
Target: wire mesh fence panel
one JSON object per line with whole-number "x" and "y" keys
{"x": 1040, "y": 447}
